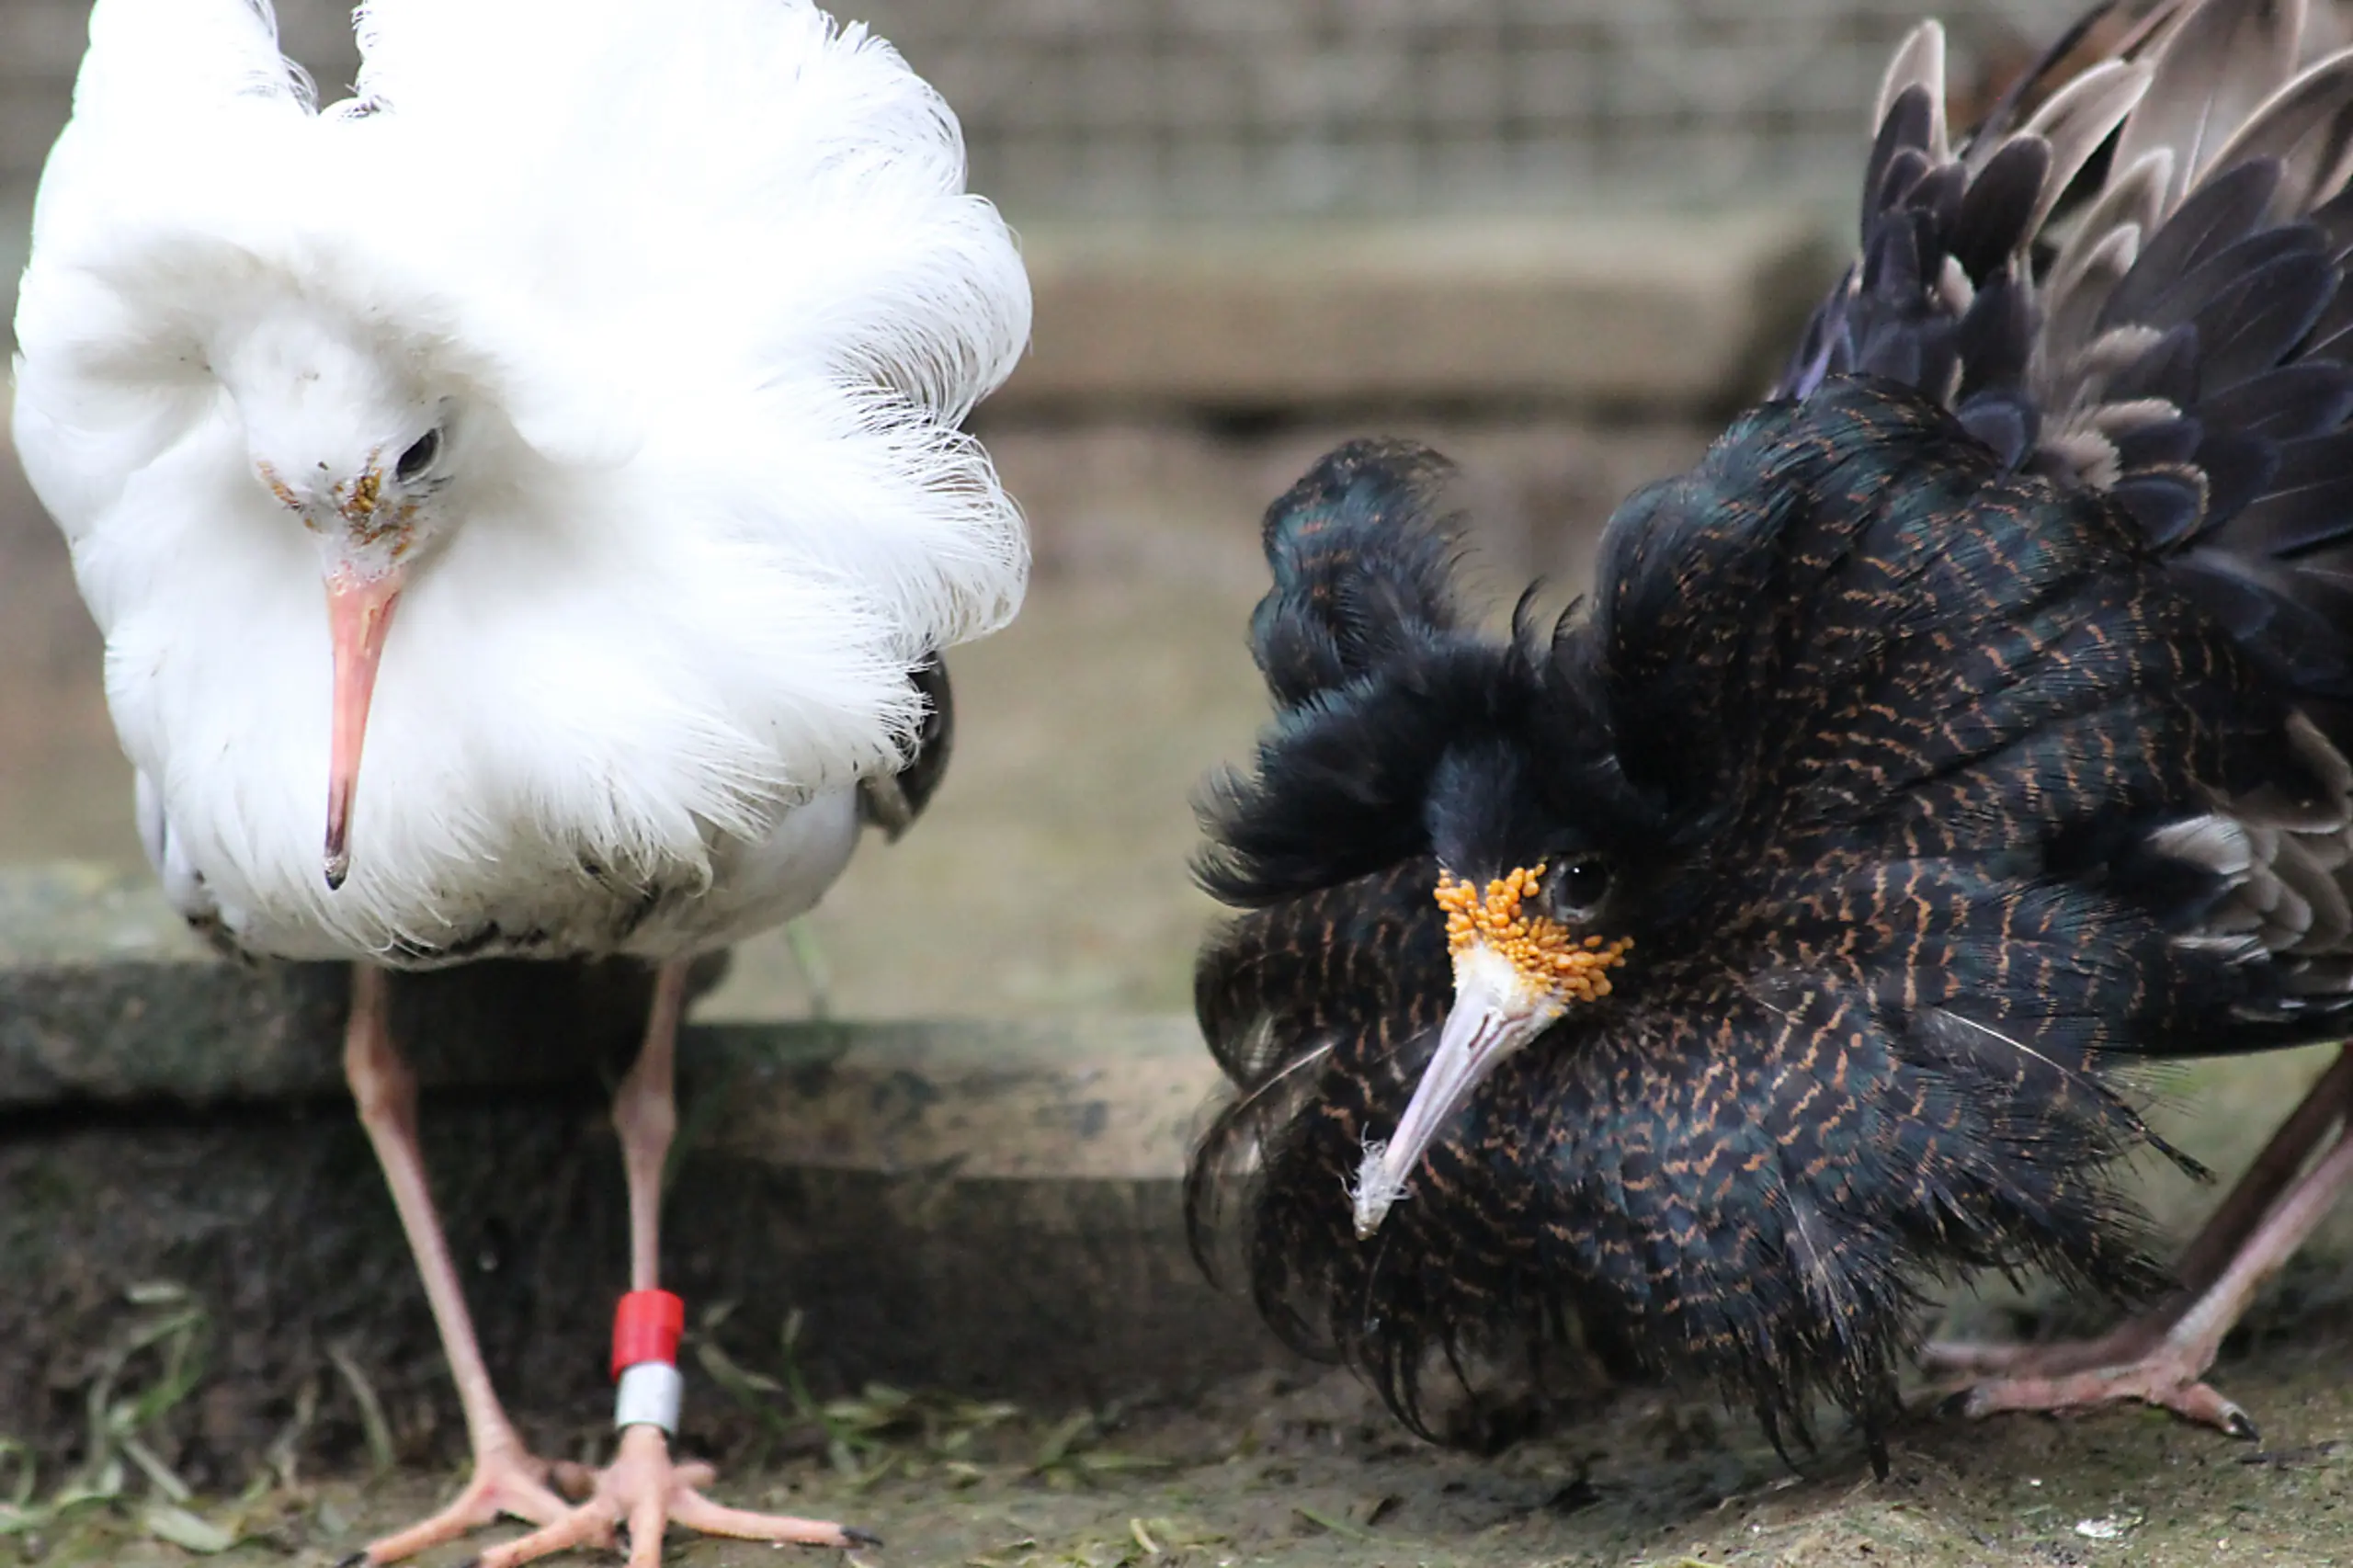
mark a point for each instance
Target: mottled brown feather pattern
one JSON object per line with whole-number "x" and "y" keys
{"x": 1964, "y": 725}
{"x": 1899, "y": 718}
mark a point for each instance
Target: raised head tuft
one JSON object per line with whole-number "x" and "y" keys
{"x": 1362, "y": 570}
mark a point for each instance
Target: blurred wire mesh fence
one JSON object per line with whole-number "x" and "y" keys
{"x": 1251, "y": 107}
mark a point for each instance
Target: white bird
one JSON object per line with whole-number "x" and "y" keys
{"x": 621, "y": 348}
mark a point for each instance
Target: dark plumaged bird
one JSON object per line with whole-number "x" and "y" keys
{"x": 1691, "y": 987}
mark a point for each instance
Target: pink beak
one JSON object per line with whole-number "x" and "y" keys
{"x": 359, "y": 612}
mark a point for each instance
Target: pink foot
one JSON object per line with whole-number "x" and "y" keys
{"x": 2161, "y": 1359}
{"x": 506, "y": 1482}
{"x": 644, "y": 1491}
{"x": 2161, "y": 1369}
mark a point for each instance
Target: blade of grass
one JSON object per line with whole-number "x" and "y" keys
{"x": 372, "y": 1424}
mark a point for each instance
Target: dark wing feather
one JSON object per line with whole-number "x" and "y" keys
{"x": 892, "y": 801}
{"x": 1917, "y": 721}
{"x": 1953, "y": 729}
{"x": 2112, "y": 290}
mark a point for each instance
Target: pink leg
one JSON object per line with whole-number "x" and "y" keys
{"x": 643, "y": 1488}
{"x": 506, "y": 1478}
{"x": 2323, "y": 1106}
{"x": 2202, "y": 1262}
{"x": 2162, "y": 1358}
{"x": 645, "y": 1114}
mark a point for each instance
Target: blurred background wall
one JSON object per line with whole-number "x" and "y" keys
{"x": 1165, "y": 108}
{"x": 1176, "y": 109}
{"x": 1280, "y": 107}
{"x": 1560, "y": 239}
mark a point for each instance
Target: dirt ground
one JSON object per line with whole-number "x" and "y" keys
{"x": 1305, "y": 1473}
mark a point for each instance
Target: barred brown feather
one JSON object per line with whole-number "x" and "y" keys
{"x": 1970, "y": 721}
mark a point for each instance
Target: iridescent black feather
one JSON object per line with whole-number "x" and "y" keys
{"x": 1925, "y": 726}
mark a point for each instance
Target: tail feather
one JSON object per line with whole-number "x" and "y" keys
{"x": 1361, "y": 569}
{"x": 153, "y": 59}
{"x": 2140, "y": 287}
{"x": 2215, "y": 69}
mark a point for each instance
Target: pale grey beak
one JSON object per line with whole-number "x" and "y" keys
{"x": 1496, "y": 1012}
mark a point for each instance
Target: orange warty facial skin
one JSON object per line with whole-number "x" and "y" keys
{"x": 1551, "y": 958}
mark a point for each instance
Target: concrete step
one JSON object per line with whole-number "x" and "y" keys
{"x": 989, "y": 1207}
{"x": 992, "y": 1208}
{"x": 1626, "y": 311}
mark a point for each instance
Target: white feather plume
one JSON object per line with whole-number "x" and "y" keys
{"x": 707, "y": 288}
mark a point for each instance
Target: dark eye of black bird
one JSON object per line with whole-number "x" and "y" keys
{"x": 1581, "y": 883}
{"x": 419, "y": 456}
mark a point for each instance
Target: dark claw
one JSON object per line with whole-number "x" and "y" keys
{"x": 853, "y": 1535}
{"x": 353, "y": 1561}
{"x": 2237, "y": 1424}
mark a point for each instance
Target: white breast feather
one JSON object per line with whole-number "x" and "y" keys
{"x": 709, "y": 276}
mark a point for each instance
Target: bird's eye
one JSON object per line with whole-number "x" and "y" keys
{"x": 419, "y": 456}
{"x": 1580, "y": 882}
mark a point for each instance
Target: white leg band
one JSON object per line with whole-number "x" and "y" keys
{"x": 649, "y": 1395}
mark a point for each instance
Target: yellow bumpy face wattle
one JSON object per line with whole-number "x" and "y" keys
{"x": 1549, "y": 955}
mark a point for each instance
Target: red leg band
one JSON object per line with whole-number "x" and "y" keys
{"x": 647, "y": 1327}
